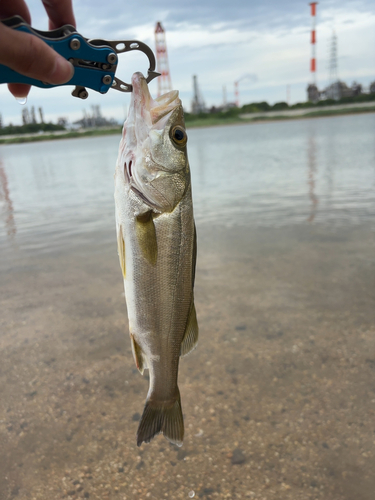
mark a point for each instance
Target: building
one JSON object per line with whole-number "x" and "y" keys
{"x": 313, "y": 93}
{"x": 336, "y": 90}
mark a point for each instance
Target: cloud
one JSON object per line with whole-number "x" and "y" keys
{"x": 219, "y": 41}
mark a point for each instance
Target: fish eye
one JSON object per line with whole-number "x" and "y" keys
{"x": 179, "y": 136}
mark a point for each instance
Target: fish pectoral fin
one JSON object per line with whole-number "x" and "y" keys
{"x": 190, "y": 340}
{"x": 139, "y": 357}
{"x": 146, "y": 236}
{"x": 121, "y": 249}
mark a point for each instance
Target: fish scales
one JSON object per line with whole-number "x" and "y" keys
{"x": 157, "y": 250}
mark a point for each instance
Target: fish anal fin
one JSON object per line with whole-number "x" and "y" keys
{"x": 158, "y": 417}
{"x": 139, "y": 357}
{"x": 146, "y": 236}
{"x": 121, "y": 250}
{"x": 190, "y": 340}
{"x": 194, "y": 260}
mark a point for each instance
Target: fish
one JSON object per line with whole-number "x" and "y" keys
{"x": 157, "y": 247}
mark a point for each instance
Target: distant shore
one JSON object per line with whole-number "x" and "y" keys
{"x": 69, "y": 134}
{"x": 292, "y": 114}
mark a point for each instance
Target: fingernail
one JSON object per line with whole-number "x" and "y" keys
{"x": 63, "y": 71}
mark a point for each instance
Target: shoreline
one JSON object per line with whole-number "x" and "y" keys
{"x": 264, "y": 118}
{"x": 23, "y": 138}
{"x": 213, "y": 122}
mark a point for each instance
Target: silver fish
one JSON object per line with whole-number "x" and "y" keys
{"x": 157, "y": 250}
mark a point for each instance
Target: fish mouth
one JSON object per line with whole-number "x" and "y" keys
{"x": 152, "y": 111}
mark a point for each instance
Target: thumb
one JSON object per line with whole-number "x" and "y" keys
{"x": 29, "y": 55}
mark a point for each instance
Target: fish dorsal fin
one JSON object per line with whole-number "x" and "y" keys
{"x": 190, "y": 340}
{"x": 121, "y": 249}
{"x": 139, "y": 357}
{"x": 146, "y": 236}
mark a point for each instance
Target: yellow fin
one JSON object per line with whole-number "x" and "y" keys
{"x": 121, "y": 250}
{"x": 190, "y": 340}
{"x": 139, "y": 358}
{"x": 146, "y": 235}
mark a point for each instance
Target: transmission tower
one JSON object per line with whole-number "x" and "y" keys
{"x": 197, "y": 104}
{"x": 25, "y": 116}
{"x": 224, "y": 96}
{"x": 32, "y": 115}
{"x": 164, "y": 81}
{"x": 334, "y": 88}
{"x": 333, "y": 75}
{"x": 41, "y": 115}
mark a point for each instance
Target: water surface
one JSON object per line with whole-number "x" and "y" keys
{"x": 274, "y": 174}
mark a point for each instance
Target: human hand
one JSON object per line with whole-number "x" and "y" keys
{"x": 28, "y": 54}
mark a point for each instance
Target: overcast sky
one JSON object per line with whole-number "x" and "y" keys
{"x": 220, "y": 42}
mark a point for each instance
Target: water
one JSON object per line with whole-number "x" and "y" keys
{"x": 269, "y": 175}
{"x": 60, "y": 192}
{"x": 278, "y": 398}
{"x": 277, "y": 174}
{"x": 21, "y": 100}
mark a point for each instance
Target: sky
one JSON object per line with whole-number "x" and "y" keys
{"x": 220, "y": 42}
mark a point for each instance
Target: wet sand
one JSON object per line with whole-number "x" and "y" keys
{"x": 278, "y": 398}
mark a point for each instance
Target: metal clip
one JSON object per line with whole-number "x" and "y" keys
{"x": 121, "y": 46}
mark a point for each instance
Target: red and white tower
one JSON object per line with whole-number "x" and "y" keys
{"x": 164, "y": 81}
{"x": 313, "y": 42}
{"x": 248, "y": 76}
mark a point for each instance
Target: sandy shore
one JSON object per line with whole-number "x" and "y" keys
{"x": 278, "y": 398}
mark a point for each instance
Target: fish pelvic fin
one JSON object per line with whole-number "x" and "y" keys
{"x": 139, "y": 357}
{"x": 190, "y": 340}
{"x": 158, "y": 417}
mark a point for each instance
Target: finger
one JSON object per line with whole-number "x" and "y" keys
{"x": 8, "y": 9}
{"x": 19, "y": 89}
{"x": 15, "y": 7}
{"x": 60, "y": 12}
{"x": 30, "y": 56}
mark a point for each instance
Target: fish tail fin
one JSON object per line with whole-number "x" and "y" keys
{"x": 159, "y": 418}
